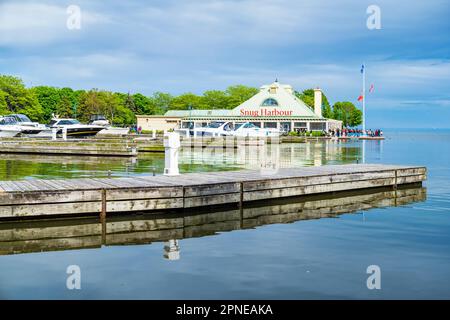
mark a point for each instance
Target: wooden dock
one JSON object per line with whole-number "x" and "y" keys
{"x": 79, "y": 147}
{"x": 89, "y": 232}
{"x": 43, "y": 198}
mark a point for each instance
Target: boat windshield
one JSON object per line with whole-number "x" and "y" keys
{"x": 8, "y": 120}
{"x": 64, "y": 122}
{"x": 21, "y": 117}
{"x": 215, "y": 124}
{"x": 246, "y": 125}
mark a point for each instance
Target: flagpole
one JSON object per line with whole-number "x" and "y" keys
{"x": 364, "y": 98}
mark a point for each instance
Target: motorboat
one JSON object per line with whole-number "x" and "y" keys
{"x": 8, "y": 130}
{"x": 75, "y": 128}
{"x": 100, "y": 120}
{"x": 27, "y": 127}
{"x": 215, "y": 129}
{"x": 248, "y": 129}
{"x": 115, "y": 131}
{"x": 227, "y": 128}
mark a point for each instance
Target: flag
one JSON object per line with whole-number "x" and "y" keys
{"x": 362, "y": 69}
{"x": 360, "y": 98}
{"x": 371, "y": 88}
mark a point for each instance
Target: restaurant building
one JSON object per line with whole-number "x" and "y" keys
{"x": 274, "y": 106}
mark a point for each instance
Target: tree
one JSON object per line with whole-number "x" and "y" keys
{"x": 19, "y": 99}
{"x": 110, "y": 106}
{"x": 307, "y": 96}
{"x": 160, "y": 102}
{"x": 67, "y": 104}
{"x": 49, "y": 98}
{"x": 216, "y": 99}
{"x": 186, "y": 101}
{"x": 238, "y": 94}
{"x": 3, "y": 106}
{"x": 143, "y": 104}
{"x": 89, "y": 103}
{"x": 347, "y": 113}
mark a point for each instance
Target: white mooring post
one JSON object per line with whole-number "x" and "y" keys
{"x": 64, "y": 133}
{"x": 154, "y": 134}
{"x": 172, "y": 250}
{"x": 54, "y": 130}
{"x": 171, "y": 145}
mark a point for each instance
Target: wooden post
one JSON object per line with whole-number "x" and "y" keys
{"x": 103, "y": 211}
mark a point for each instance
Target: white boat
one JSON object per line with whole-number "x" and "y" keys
{"x": 75, "y": 128}
{"x": 248, "y": 129}
{"x": 27, "y": 127}
{"x": 215, "y": 129}
{"x": 116, "y": 131}
{"x": 8, "y": 131}
{"x": 100, "y": 120}
{"x": 226, "y": 128}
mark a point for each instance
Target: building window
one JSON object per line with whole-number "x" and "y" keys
{"x": 270, "y": 103}
{"x": 318, "y": 126}
{"x": 300, "y": 125}
{"x": 258, "y": 124}
{"x": 270, "y": 125}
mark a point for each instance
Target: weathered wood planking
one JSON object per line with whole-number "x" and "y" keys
{"x": 150, "y": 193}
{"x": 70, "y": 147}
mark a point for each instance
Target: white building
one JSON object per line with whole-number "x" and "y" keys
{"x": 274, "y": 106}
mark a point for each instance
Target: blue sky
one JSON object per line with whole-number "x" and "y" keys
{"x": 192, "y": 46}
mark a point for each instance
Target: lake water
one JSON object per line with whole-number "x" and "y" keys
{"x": 256, "y": 253}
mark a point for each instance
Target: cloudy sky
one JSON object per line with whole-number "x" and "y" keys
{"x": 196, "y": 45}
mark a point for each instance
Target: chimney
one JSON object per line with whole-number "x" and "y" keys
{"x": 318, "y": 102}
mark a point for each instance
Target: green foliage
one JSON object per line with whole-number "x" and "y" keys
{"x": 41, "y": 102}
{"x": 142, "y": 104}
{"x": 239, "y": 94}
{"x": 347, "y": 113}
{"x": 186, "y": 101}
{"x": 216, "y": 99}
{"x": 15, "y": 98}
{"x": 3, "y": 105}
{"x": 307, "y": 96}
{"x": 160, "y": 102}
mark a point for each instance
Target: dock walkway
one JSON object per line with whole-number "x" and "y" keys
{"x": 44, "y": 198}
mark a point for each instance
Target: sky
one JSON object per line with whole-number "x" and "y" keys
{"x": 196, "y": 45}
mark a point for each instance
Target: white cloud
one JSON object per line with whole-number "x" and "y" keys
{"x": 29, "y": 24}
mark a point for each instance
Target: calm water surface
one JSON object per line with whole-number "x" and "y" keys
{"x": 261, "y": 258}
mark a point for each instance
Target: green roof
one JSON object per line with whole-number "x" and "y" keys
{"x": 198, "y": 113}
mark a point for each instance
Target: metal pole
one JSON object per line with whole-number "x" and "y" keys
{"x": 364, "y": 98}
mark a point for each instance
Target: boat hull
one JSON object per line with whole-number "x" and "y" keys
{"x": 81, "y": 132}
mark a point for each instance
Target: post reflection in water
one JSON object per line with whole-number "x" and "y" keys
{"x": 284, "y": 155}
{"x": 170, "y": 227}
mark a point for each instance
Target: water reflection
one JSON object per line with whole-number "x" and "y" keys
{"x": 266, "y": 157}
{"x": 83, "y": 233}
{"x": 286, "y": 155}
